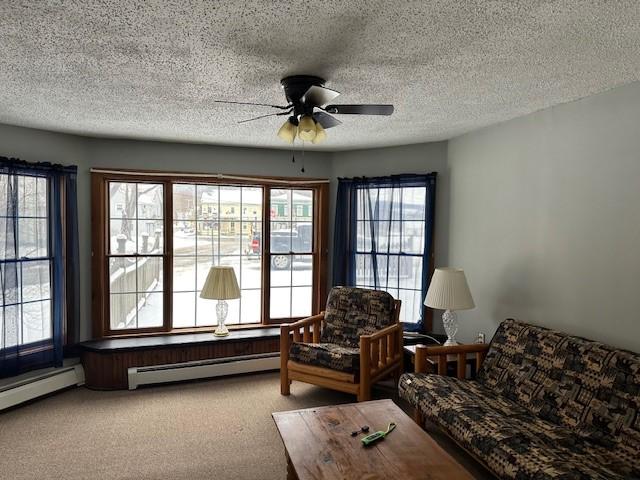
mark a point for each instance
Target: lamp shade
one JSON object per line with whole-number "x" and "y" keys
{"x": 307, "y": 128}
{"x": 288, "y": 130}
{"x": 449, "y": 290}
{"x": 221, "y": 284}
{"x": 321, "y": 135}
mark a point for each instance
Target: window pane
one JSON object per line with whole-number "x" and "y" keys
{"x": 184, "y": 274}
{"x": 149, "y": 274}
{"x": 412, "y": 300}
{"x": 410, "y": 272}
{"x": 302, "y": 270}
{"x": 207, "y": 202}
{"x": 202, "y": 269}
{"x": 207, "y": 237}
{"x": 280, "y": 302}
{"x": 122, "y": 200}
{"x": 364, "y": 271}
{"x": 230, "y": 238}
{"x": 251, "y": 272}
{"x": 302, "y": 205}
{"x": 122, "y": 275}
{"x": 184, "y": 309}
{"x": 281, "y": 270}
{"x": 184, "y": 238}
{"x": 33, "y": 237}
{"x": 250, "y": 302}
{"x": 184, "y": 202}
{"x": 124, "y": 234}
{"x": 252, "y": 204}
{"x": 230, "y": 208}
{"x": 36, "y": 283}
{"x": 206, "y": 312}
{"x": 150, "y": 236}
{"x": 10, "y": 274}
{"x": 11, "y": 326}
{"x": 413, "y": 203}
{"x": 32, "y": 196}
{"x": 36, "y": 321}
{"x": 280, "y": 237}
{"x": 150, "y": 309}
{"x": 301, "y": 301}
{"x": 123, "y": 310}
{"x": 280, "y": 205}
{"x": 150, "y": 201}
{"x": 413, "y": 237}
{"x": 302, "y": 237}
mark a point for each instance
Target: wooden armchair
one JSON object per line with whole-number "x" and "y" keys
{"x": 355, "y": 343}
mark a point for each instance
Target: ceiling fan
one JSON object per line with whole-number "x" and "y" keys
{"x": 309, "y": 109}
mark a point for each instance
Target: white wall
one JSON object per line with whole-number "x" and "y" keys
{"x": 86, "y": 153}
{"x": 545, "y": 219}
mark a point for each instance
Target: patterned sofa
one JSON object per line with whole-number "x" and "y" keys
{"x": 545, "y": 405}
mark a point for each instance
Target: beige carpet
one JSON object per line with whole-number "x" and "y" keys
{"x": 217, "y": 429}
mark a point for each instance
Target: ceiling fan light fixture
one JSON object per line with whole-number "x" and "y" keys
{"x": 321, "y": 134}
{"x": 307, "y": 128}
{"x": 288, "y": 130}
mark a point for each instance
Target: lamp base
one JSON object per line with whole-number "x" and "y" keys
{"x": 450, "y": 323}
{"x": 221, "y": 313}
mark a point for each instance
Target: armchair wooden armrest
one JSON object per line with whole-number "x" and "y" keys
{"x": 306, "y": 330}
{"x": 380, "y": 352}
{"x": 423, "y": 352}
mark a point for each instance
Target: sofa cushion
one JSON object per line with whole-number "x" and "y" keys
{"x": 507, "y": 437}
{"x": 589, "y": 387}
{"x": 327, "y": 355}
{"x": 352, "y": 312}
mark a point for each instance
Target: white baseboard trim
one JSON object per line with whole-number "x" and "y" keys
{"x": 21, "y": 391}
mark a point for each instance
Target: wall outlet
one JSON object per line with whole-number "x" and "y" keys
{"x": 481, "y": 338}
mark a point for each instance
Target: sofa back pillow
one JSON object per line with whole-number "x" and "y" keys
{"x": 592, "y": 388}
{"x": 351, "y": 312}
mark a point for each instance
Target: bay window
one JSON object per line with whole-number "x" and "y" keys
{"x": 156, "y": 237}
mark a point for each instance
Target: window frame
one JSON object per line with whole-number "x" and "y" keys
{"x": 100, "y": 179}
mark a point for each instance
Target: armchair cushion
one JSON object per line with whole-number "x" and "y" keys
{"x": 352, "y": 312}
{"x": 326, "y": 355}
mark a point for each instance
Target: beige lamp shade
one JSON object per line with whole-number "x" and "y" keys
{"x": 449, "y": 290}
{"x": 221, "y": 284}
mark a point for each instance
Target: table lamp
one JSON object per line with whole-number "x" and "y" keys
{"x": 221, "y": 285}
{"x": 449, "y": 291}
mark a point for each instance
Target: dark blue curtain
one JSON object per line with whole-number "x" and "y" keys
{"x": 375, "y": 257}
{"x": 39, "y": 281}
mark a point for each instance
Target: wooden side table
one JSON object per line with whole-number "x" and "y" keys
{"x": 452, "y": 362}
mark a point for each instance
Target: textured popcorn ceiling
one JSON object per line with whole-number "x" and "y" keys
{"x": 150, "y": 69}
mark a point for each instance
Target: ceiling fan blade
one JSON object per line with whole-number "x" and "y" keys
{"x": 263, "y": 116}
{"x": 251, "y": 103}
{"x": 326, "y": 120}
{"x": 360, "y": 109}
{"x": 319, "y": 96}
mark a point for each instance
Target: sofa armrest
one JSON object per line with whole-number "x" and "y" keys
{"x": 441, "y": 353}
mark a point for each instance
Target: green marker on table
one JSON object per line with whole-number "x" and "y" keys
{"x": 374, "y": 437}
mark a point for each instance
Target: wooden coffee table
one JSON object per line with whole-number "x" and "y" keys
{"x": 319, "y": 445}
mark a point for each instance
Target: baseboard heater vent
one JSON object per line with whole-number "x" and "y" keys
{"x": 40, "y": 384}
{"x": 216, "y": 367}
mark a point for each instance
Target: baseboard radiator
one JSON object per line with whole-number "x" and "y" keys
{"x": 216, "y": 367}
{"x": 39, "y": 385}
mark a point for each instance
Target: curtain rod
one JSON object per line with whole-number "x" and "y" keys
{"x": 219, "y": 176}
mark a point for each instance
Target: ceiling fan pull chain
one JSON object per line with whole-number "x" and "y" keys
{"x": 302, "y": 169}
